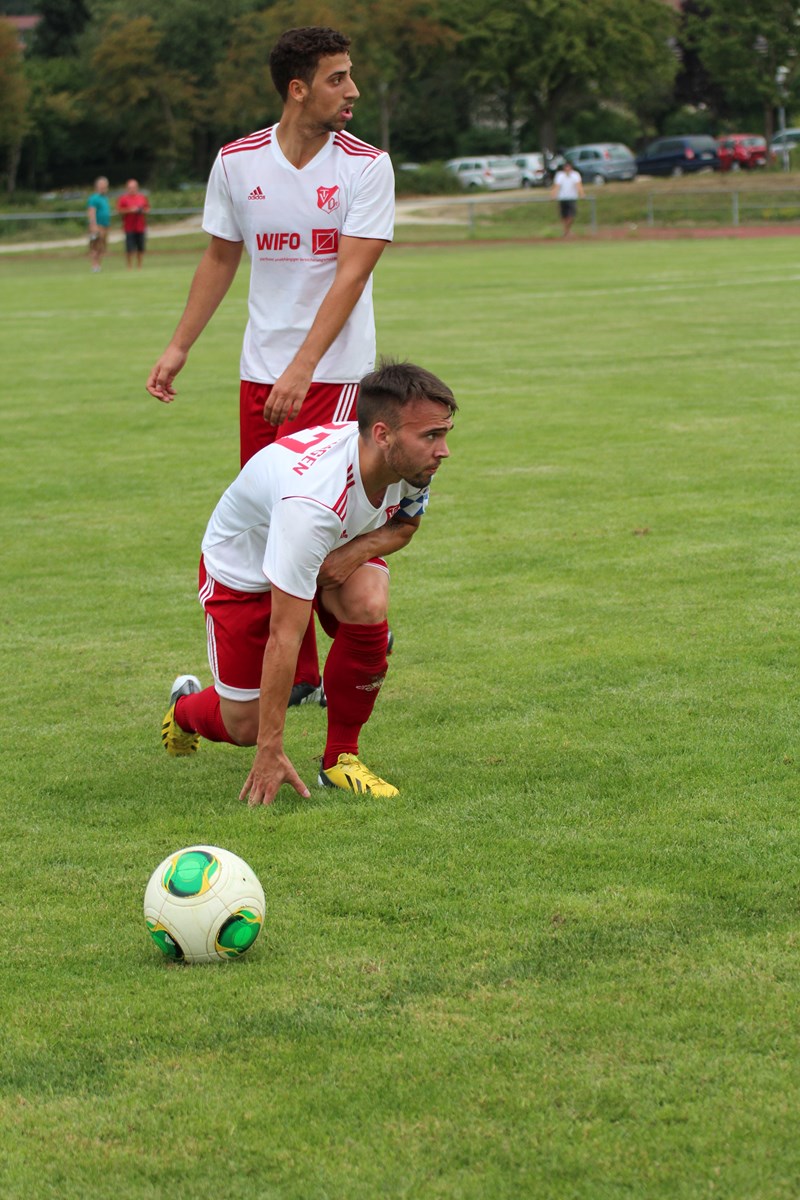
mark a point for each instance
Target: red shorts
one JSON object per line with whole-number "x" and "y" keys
{"x": 237, "y": 629}
{"x": 325, "y": 402}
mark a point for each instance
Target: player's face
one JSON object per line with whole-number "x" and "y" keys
{"x": 330, "y": 98}
{"x": 417, "y": 448}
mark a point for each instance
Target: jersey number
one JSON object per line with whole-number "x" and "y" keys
{"x": 307, "y": 438}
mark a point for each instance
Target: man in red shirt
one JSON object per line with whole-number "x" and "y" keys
{"x": 132, "y": 205}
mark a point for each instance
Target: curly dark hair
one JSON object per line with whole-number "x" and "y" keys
{"x": 297, "y": 52}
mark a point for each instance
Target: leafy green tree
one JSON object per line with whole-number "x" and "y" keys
{"x": 394, "y": 44}
{"x": 58, "y": 33}
{"x": 61, "y": 135}
{"x": 743, "y": 46}
{"x": 540, "y": 60}
{"x": 150, "y": 109}
{"x": 13, "y": 101}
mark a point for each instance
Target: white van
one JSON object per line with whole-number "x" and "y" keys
{"x": 494, "y": 173}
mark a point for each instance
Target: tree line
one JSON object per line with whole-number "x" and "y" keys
{"x": 153, "y": 89}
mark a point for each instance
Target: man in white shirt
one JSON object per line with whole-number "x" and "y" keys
{"x": 567, "y": 189}
{"x": 302, "y": 525}
{"x": 314, "y": 206}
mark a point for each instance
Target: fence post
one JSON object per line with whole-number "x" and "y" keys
{"x": 651, "y": 216}
{"x": 593, "y": 206}
{"x": 735, "y": 207}
{"x": 471, "y": 217}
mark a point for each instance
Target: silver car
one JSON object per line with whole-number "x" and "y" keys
{"x": 495, "y": 173}
{"x": 601, "y": 162}
{"x": 534, "y": 171}
{"x": 789, "y": 138}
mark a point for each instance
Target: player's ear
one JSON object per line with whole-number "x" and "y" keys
{"x": 298, "y": 90}
{"x": 381, "y": 434}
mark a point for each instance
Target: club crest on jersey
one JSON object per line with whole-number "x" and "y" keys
{"x": 328, "y": 198}
{"x": 324, "y": 241}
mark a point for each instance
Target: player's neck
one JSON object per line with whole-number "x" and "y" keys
{"x": 298, "y": 141}
{"x": 375, "y": 476}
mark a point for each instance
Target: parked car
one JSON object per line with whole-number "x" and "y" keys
{"x": 790, "y": 138}
{"x": 534, "y": 171}
{"x": 741, "y": 151}
{"x": 599, "y": 162}
{"x": 495, "y": 173}
{"x": 679, "y": 155}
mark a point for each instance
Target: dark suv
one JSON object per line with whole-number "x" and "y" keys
{"x": 679, "y": 155}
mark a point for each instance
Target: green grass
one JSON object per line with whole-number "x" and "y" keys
{"x": 564, "y": 963}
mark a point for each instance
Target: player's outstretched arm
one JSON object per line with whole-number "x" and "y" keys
{"x": 271, "y": 766}
{"x": 211, "y": 281}
{"x": 355, "y": 263}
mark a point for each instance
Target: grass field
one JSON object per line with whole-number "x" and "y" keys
{"x": 564, "y": 962}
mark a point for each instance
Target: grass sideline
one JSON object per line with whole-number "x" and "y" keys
{"x": 564, "y": 963}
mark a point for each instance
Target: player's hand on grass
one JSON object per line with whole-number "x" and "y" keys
{"x": 286, "y": 395}
{"x": 268, "y": 773}
{"x": 159, "y": 382}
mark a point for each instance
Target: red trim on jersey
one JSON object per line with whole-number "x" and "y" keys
{"x": 253, "y": 141}
{"x": 340, "y": 507}
{"x": 354, "y": 146}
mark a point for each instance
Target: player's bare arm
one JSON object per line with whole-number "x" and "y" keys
{"x": 380, "y": 543}
{"x": 212, "y": 279}
{"x": 271, "y": 766}
{"x": 355, "y": 263}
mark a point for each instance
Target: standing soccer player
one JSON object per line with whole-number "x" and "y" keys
{"x": 314, "y": 206}
{"x": 308, "y": 522}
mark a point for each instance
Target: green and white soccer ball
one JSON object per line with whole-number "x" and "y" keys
{"x": 203, "y": 904}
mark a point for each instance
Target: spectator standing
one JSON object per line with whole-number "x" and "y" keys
{"x": 99, "y": 214}
{"x": 133, "y": 207}
{"x": 567, "y": 189}
{"x": 314, "y": 206}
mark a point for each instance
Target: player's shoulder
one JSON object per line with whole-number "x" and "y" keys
{"x": 249, "y": 144}
{"x": 353, "y": 147}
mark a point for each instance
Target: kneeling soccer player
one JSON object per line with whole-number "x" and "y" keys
{"x": 308, "y": 522}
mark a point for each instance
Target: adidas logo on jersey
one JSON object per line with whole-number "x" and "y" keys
{"x": 257, "y": 194}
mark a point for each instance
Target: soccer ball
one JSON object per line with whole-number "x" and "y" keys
{"x": 203, "y": 904}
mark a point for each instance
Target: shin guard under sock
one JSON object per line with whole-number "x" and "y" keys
{"x": 354, "y": 671}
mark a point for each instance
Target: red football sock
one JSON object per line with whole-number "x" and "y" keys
{"x": 200, "y": 713}
{"x": 307, "y": 669}
{"x": 354, "y": 671}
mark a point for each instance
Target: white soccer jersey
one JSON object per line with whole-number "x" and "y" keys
{"x": 292, "y": 503}
{"x": 290, "y": 221}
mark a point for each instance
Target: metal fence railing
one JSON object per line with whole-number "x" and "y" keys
{"x": 629, "y": 205}
{"x": 504, "y": 214}
{"x": 43, "y": 226}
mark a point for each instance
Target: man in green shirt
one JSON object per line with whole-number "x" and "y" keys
{"x": 99, "y": 211}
